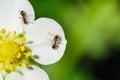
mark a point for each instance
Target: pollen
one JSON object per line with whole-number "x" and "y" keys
{"x": 18, "y": 55}
{"x": 23, "y": 65}
{"x": 24, "y": 39}
{"x": 14, "y": 33}
{"x": 29, "y": 54}
{"x": 3, "y": 31}
{"x": 9, "y": 60}
{"x": 1, "y": 37}
{"x": 22, "y": 48}
{"x": 13, "y": 69}
{"x": 1, "y": 68}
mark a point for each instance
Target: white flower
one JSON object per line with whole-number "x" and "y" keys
{"x": 24, "y": 40}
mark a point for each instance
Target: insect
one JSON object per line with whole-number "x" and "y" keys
{"x": 24, "y": 17}
{"x": 56, "y": 41}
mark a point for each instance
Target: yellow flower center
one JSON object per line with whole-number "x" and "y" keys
{"x": 13, "y": 52}
{"x": 9, "y": 50}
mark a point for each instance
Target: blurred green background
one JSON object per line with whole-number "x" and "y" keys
{"x": 91, "y": 27}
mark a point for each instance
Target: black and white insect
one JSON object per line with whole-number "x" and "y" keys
{"x": 56, "y": 41}
{"x": 24, "y": 17}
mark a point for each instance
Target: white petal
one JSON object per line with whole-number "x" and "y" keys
{"x": 17, "y": 22}
{"x": 10, "y": 14}
{"x": 6, "y": 7}
{"x": 1, "y": 78}
{"x": 35, "y": 73}
{"x": 42, "y": 34}
{"x": 15, "y": 76}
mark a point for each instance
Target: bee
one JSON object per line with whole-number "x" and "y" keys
{"x": 24, "y": 17}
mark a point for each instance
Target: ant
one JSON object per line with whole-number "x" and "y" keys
{"x": 24, "y": 17}
{"x": 56, "y": 41}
